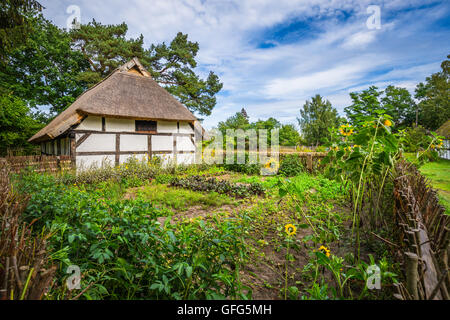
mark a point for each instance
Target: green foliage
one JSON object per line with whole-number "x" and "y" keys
{"x": 415, "y": 139}
{"x": 364, "y": 104}
{"x": 201, "y": 183}
{"x": 362, "y": 156}
{"x": 173, "y": 66}
{"x": 290, "y": 165}
{"x": 44, "y": 70}
{"x": 124, "y": 253}
{"x": 393, "y": 101}
{"x": 15, "y": 23}
{"x": 238, "y": 121}
{"x": 398, "y": 103}
{"x": 16, "y": 124}
{"x": 132, "y": 173}
{"x": 179, "y": 199}
{"x": 289, "y": 136}
{"x": 106, "y": 47}
{"x": 327, "y": 275}
{"x": 316, "y": 117}
{"x": 433, "y": 98}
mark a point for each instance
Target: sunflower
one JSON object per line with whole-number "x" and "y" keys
{"x": 387, "y": 123}
{"x": 345, "y": 130}
{"x": 290, "y": 229}
{"x": 268, "y": 164}
{"x": 324, "y": 250}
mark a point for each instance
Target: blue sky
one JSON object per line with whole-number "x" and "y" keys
{"x": 273, "y": 55}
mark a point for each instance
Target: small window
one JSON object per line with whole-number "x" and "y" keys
{"x": 145, "y": 126}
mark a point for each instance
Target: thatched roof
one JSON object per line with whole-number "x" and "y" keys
{"x": 128, "y": 92}
{"x": 444, "y": 130}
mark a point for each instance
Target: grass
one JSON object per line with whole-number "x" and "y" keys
{"x": 176, "y": 199}
{"x": 439, "y": 174}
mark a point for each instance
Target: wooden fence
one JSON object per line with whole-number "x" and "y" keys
{"x": 423, "y": 230}
{"x": 37, "y": 163}
{"x": 56, "y": 163}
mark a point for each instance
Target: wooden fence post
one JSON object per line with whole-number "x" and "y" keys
{"x": 411, "y": 274}
{"x": 309, "y": 162}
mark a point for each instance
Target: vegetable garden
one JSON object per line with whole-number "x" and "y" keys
{"x": 145, "y": 231}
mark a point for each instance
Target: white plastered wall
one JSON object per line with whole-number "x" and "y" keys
{"x": 185, "y": 144}
{"x": 97, "y": 143}
{"x": 185, "y": 127}
{"x": 103, "y": 142}
{"x": 162, "y": 143}
{"x": 166, "y": 127}
{"x": 91, "y": 123}
{"x": 116, "y": 125}
{"x": 133, "y": 142}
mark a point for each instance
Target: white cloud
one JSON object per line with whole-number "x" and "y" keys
{"x": 360, "y": 39}
{"x": 339, "y": 56}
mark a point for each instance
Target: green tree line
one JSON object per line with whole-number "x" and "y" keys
{"x": 44, "y": 67}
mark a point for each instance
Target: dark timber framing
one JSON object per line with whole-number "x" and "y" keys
{"x": 149, "y": 146}
{"x": 82, "y": 139}
{"x": 117, "y": 153}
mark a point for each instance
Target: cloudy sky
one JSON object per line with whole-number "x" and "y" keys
{"x": 273, "y": 55}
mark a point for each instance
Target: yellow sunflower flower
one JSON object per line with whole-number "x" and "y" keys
{"x": 387, "y": 123}
{"x": 290, "y": 229}
{"x": 325, "y": 250}
{"x": 271, "y": 163}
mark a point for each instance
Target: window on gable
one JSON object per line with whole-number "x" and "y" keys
{"x": 145, "y": 126}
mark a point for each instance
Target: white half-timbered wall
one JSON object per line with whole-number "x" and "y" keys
{"x": 113, "y": 141}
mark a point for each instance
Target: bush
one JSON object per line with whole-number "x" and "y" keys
{"x": 132, "y": 172}
{"x": 201, "y": 183}
{"x": 290, "y": 165}
{"x": 245, "y": 168}
{"x": 415, "y": 139}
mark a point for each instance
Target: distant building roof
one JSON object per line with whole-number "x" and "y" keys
{"x": 444, "y": 130}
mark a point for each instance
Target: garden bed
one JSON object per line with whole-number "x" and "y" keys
{"x": 138, "y": 235}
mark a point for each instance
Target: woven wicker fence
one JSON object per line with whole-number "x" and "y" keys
{"x": 423, "y": 231}
{"x": 36, "y": 163}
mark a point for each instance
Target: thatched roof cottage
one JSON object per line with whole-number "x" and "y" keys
{"x": 127, "y": 114}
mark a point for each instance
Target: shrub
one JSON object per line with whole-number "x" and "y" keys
{"x": 290, "y": 165}
{"x": 132, "y": 172}
{"x": 201, "y": 183}
{"x": 415, "y": 139}
{"x": 245, "y": 168}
